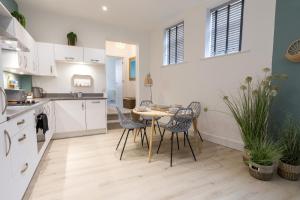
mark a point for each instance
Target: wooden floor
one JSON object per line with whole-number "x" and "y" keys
{"x": 88, "y": 168}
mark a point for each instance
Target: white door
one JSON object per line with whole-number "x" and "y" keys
{"x": 6, "y": 187}
{"x": 95, "y": 114}
{"x": 119, "y": 82}
{"x": 46, "y": 62}
{"x": 70, "y": 116}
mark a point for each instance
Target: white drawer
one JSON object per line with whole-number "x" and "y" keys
{"x": 19, "y": 123}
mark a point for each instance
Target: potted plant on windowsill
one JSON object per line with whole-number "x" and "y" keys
{"x": 289, "y": 163}
{"x": 263, "y": 156}
{"x": 72, "y": 38}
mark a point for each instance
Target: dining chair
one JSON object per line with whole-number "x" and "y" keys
{"x": 196, "y": 107}
{"x": 148, "y": 120}
{"x": 128, "y": 124}
{"x": 179, "y": 123}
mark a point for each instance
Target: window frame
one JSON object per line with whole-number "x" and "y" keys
{"x": 209, "y": 43}
{"x": 167, "y": 44}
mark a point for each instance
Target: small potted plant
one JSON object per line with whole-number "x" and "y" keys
{"x": 19, "y": 17}
{"x": 72, "y": 38}
{"x": 289, "y": 163}
{"x": 263, "y": 156}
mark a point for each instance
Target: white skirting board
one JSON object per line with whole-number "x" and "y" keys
{"x": 238, "y": 145}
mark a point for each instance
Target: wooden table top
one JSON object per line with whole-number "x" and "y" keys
{"x": 153, "y": 113}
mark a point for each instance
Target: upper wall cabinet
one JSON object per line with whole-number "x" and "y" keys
{"x": 68, "y": 53}
{"x": 46, "y": 60}
{"x": 94, "y": 56}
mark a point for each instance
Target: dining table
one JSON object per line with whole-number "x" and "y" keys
{"x": 154, "y": 114}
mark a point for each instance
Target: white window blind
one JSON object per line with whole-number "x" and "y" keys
{"x": 174, "y": 44}
{"x": 226, "y": 28}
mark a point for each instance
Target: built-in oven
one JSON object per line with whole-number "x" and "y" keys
{"x": 41, "y": 136}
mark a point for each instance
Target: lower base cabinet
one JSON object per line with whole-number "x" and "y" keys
{"x": 19, "y": 155}
{"x": 79, "y": 117}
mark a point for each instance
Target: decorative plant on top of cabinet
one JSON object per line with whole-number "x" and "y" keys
{"x": 72, "y": 38}
{"x": 289, "y": 164}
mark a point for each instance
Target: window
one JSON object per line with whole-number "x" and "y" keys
{"x": 174, "y": 44}
{"x": 226, "y": 23}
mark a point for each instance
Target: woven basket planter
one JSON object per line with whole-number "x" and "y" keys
{"x": 289, "y": 172}
{"x": 246, "y": 156}
{"x": 264, "y": 173}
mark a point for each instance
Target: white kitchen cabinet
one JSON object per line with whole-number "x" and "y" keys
{"x": 68, "y": 53}
{"x": 14, "y": 61}
{"x": 6, "y": 186}
{"x": 69, "y": 116}
{"x": 95, "y": 114}
{"x": 94, "y": 56}
{"x": 46, "y": 62}
{"x": 19, "y": 161}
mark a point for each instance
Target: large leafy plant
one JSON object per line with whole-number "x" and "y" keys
{"x": 290, "y": 143}
{"x": 251, "y": 107}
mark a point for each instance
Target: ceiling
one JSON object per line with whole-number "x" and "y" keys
{"x": 138, "y": 14}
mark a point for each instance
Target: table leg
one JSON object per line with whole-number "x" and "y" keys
{"x": 151, "y": 139}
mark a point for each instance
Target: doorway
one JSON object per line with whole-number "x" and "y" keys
{"x": 121, "y": 73}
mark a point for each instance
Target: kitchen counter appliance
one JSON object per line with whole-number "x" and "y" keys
{"x": 37, "y": 92}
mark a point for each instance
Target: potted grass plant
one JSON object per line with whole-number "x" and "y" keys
{"x": 72, "y": 38}
{"x": 251, "y": 107}
{"x": 263, "y": 156}
{"x": 289, "y": 163}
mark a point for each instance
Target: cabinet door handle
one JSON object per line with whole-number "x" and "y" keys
{"x": 51, "y": 70}
{"x": 25, "y": 168}
{"x": 94, "y": 60}
{"x": 96, "y": 102}
{"x": 82, "y": 106}
{"x": 5, "y": 99}
{"x": 69, "y": 58}
{"x": 9, "y": 142}
{"x": 22, "y": 138}
{"x": 21, "y": 122}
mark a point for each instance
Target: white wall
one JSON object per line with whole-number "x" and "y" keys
{"x": 63, "y": 84}
{"x": 207, "y": 79}
{"x": 51, "y": 27}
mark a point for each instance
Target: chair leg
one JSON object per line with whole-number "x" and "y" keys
{"x": 158, "y": 128}
{"x": 184, "y": 140}
{"x": 145, "y": 136}
{"x": 142, "y": 139}
{"x": 120, "y": 139}
{"x": 171, "y": 161}
{"x": 187, "y": 139}
{"x": 200, "y": 135}
{"x": 125, "y": 143}
{"x": 177, "y": 141}
{"x": 161, "y": 139}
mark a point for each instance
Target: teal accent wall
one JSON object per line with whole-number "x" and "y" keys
{"x": 11, "y": 5}
{"x": 287, "y": 29}
{"x": 25, "y": 82}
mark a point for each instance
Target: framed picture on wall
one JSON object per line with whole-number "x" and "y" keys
{"x": 132, "y": 68}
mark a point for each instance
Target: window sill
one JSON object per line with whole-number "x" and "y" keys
{"x": 171, "y": 65}
{"x": 226, "y": 55}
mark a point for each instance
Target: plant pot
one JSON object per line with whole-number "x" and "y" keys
{"x": 289, "y": 172}
{"x": 246, "y": 156}
{"x": 264, "y": 173}
{"x": 71, "y": 42}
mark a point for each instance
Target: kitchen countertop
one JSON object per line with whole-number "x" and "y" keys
{"x": 14, "y": 111}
